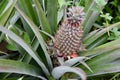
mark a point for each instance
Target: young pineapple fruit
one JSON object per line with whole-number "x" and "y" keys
{"x": 68, "y": 38}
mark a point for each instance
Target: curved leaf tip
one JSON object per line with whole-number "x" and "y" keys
{"x": 59, "y": 71}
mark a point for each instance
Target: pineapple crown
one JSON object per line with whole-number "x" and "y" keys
{"x": 76, "y": 13}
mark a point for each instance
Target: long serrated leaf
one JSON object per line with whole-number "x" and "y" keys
{"x": 31, "y": 13}
{"x": 27, "y": 58}
{"x": 47, "y": 34}
{"x": 34, "y": 43}
{"x": 110, "y": 44}
{"x": 103, "y": 48}
{"x": 86, "y": 65}
{"x": 27, "y": 28}
{"x": 52, "y": 6}
{"x": 11, "y": 66}
{"x": 88, "y": 5}
{"x": 60, "y": 14}
{"x": 18, "y": 40}
{"x": 7, "y": 11}
{"x": 91, "y": 15}
{"x": 14, "y": 18}
{"x": 3, "y": 5}
{"x": 29, "y": 10}
{"x": 71, "y": 62}
{"x": 89, "y": 23}
{"x": 106, "y": 62}
{"x": 106, "y": 69}
{"x": 45, "y": 26}
{"x": 6, "y": 7}
{"x": 98, "y": 42}
{"x": 100, "y": 33}
{"x": 59, "y": 71}
{"x": 89, "y": 12}
{"x": 105, "y": 57}
{"x": 91, "y": 34}
{"x": 39, "y": 37}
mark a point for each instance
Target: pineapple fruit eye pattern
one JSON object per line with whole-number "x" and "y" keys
{"x": 68, "y": 38}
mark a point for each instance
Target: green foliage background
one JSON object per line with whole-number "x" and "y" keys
{"x": 28, "y": 25}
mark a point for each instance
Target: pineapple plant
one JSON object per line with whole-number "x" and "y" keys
{"x": 40, "y": 19}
